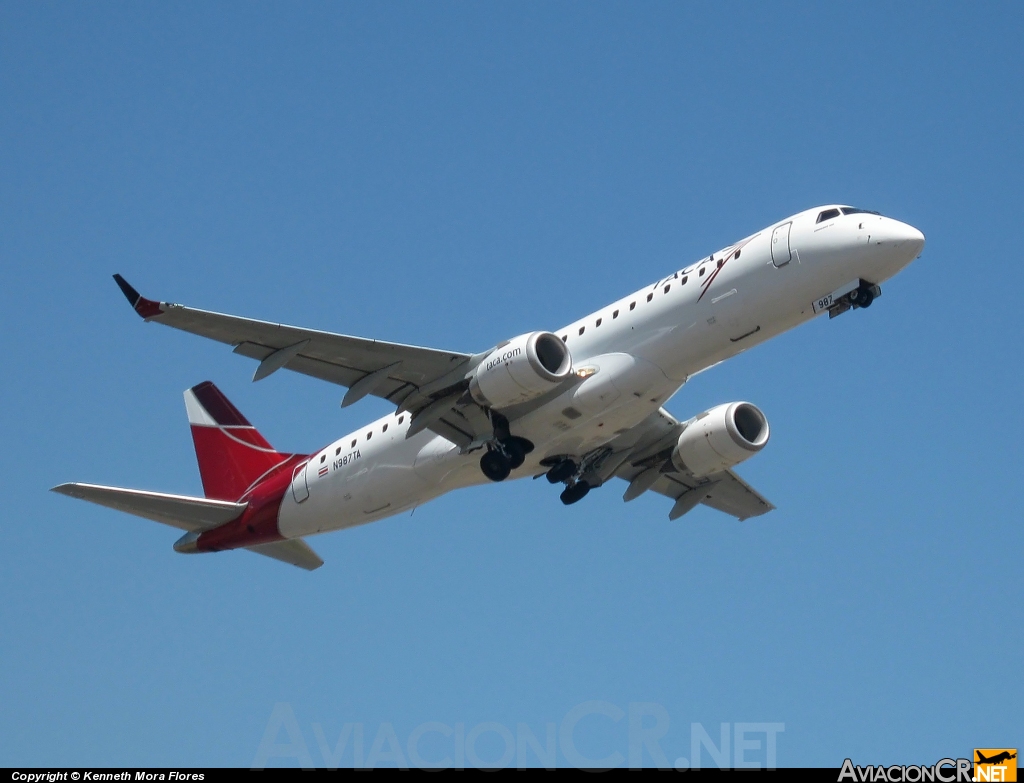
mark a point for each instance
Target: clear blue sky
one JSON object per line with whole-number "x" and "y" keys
{"x": 452, "y": 175}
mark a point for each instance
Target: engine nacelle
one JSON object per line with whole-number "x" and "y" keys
{"x": 720, "y": 438}
{"x": 520, "y": 370}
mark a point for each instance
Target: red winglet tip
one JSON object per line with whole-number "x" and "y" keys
{"x": 147, "y": 308}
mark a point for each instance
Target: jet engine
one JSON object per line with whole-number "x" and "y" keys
{"x": 521, "y": 369}
{"x": 720, "y": 438}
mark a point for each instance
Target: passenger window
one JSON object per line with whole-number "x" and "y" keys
{"x": 353, "y": 444}
{"x": 615, "y": 314}
{"x": 828, "y": 214}
{"x": 737, "y": 254}
{"x": 401, "y": 419}
{"x": 632, "y": 305}
{"x": 720, "y": 262}
{"x": 384, "y": 428}
{"x": 582, "y": 328}
{"x": 598, "y": 322}
{"x": 683, "y": 281}
{"x": 701, "y": 273}
{"x": 668, "y": 287}
{"x": 650, "y": 297}
{"x": 369, "y": 434}
{"x": 565, "y": 338}
{"x": 337, "y": 451}
{"x": 323, "y": 457}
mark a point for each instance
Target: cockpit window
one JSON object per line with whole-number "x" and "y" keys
{"x": 856, "y": 211}
{"x": 828, "y": 214}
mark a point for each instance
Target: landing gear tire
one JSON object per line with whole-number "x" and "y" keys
{"x": 563, "y": 471}
{"x": 495, "y": 465}
{"x": 862, "y": 297}
{"x": 516, "y": 450}
{"x": 575, "y": 492}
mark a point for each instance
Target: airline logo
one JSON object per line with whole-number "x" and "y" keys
{"x": 725, "y": 256}
{"x": 995, "y": 764}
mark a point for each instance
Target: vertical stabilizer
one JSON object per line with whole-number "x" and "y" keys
{"x": 232, "y": 454}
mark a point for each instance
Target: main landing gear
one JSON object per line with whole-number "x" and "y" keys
{"x": 504, "y": 456}
{"x": 505, "y": 453}
{"x": 575, "y": 492}
{"x": 566, "y": 471}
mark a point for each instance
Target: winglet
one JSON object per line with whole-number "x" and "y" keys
{"x": 147, "y": 308}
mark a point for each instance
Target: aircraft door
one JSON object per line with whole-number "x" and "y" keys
{"x": 781, "y": 253}
{"x": 300, "y": 488}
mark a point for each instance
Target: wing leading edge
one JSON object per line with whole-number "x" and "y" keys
{"x": 411, "y": 377}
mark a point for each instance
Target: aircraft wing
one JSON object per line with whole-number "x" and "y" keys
{"x": 646, "y": 466}
{"x": 723, "y": 491}
{"x": 411, "y": 377}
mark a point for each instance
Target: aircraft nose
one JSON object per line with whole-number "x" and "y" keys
{"x": 902, "y": 237}
{"x": 911, "y": 238}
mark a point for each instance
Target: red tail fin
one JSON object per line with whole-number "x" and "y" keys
{"x": 232, "y": 454}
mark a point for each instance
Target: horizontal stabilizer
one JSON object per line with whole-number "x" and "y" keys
{"x": 295, "y": 551}
{"x": 180, "y": 511}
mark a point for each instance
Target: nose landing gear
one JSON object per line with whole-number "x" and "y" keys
{"x": 864, "y": 295}
{"x": 860, "y": 297}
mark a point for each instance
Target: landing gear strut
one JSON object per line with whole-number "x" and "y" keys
{"x": 505, "y": 453}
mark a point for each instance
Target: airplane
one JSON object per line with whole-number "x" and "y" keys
{"x": 996, "y": 759}
{"x": 580, "y": 405}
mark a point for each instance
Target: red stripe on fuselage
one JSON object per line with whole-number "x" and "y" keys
{"x": 258, "y": 523}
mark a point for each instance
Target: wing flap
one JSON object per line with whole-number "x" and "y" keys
{"x": 180, "y": 511}
{"x": 725, "y": 492}
{"x": 732, "y": 495}
{"x": 295, "y": 552}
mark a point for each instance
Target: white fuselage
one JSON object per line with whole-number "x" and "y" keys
{"x": 642, "y": 347}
